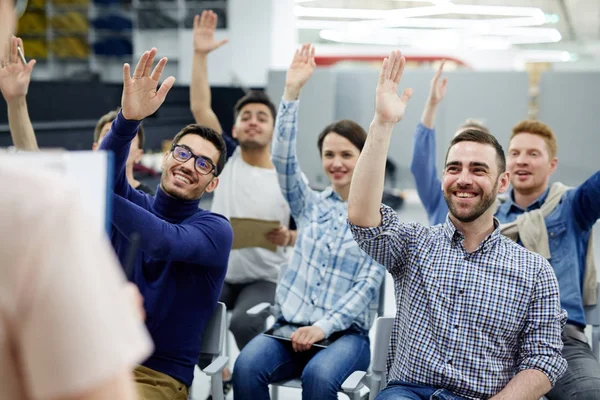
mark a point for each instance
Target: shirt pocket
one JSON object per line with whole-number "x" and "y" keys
{"x": 557, "y": 235}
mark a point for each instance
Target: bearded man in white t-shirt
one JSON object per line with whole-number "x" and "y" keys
{"x": 248, "y": 189}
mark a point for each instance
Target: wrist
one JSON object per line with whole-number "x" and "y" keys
{"x": 16, "y": 101}
{"x": 291, "y": 93}
{"x": 201, "y": 53}
{"x": 380, "y": 124}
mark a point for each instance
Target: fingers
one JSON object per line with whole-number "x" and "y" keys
{"x": 395, "y": 67}
{"x": 444, "y": 83}
{"x": 158, "y": 70}
{"x": 149, "y": 62}
{"x": 221, "y": 43}
{"x": 139, "y": 68}
{"x": 402, "y": 64}
{"x": 312, "y": 56}
{"x": 165, "y": 87}
{"x": 126, "y": 74}
{"x": 14, "y": 53}
{"x": 213, "y": 20}
{"x": 406, "y": 95}
{"x": 383, "y": 71}
{"x": 197, "y": 21}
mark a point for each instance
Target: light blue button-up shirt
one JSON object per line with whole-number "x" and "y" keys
{"x": 330, "y": 282}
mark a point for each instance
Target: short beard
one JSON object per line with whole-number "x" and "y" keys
{"x": 486, "y": 202}
{"x": 177, "y": 196}
{"x": 252, "y": 145}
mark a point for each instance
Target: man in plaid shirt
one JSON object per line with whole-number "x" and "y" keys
{"x": 478, "y": 316}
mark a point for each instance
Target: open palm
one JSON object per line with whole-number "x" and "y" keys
{"x": 204, "y": 32}
{"x": 15, "y": 77}
{"x": 301, "y": 68}
{"x": 140, "y": 97}
{"x": 389, "y": 107}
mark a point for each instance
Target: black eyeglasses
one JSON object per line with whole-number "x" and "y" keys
{"x": 183, "y": 153}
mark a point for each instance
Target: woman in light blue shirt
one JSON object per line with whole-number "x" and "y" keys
{"x": 331, "y": 287}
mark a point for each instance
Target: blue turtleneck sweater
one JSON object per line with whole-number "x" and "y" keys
{"x": 180, "y": 265}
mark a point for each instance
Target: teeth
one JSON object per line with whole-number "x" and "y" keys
{"x": 182, "y": 179}
{"x": 465, "y": 195}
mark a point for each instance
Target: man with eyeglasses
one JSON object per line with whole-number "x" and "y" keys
{"x": 183, "y": 251}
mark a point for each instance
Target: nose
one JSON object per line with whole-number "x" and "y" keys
{"x": 464, "y": 178}
{"x": 522, "y": 159}
{"x": 337, "y": 162}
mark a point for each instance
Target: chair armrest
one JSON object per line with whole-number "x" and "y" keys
{"x": 257, "y": 309}
{"x": 217, "y": 366}
{"x": 353, "y": 382}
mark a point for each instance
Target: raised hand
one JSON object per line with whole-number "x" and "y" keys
{"x": 14, "y": 75}
{"x": 437, "y": 90}
{"x": 299, "y": 71}
{"x": 140, "y": 97}
{"x": 389, "y": 107}
{"x": 204, "y": 30}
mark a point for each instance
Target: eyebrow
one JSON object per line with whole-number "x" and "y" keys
{"x": 471, "y": 164}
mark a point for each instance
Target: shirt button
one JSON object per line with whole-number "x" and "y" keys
{"x": 449, "y": 362}
{"x": 318, "y": 283}
{"x": 455, "y": 326}
{"x": 461, "y": 291}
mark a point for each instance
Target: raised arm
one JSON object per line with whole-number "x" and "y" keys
{"x": 14, "y": 84}
{"x": 366, "y": 189}
{"x": 209, "y": 240}
{"x": 540, "y": 360}
{"x": 140, "y": 99}
{"x": 423, "y": 165}
{"x": 293, "y": 185}
{"x": 204, "y": 43}
{"x": 586, "y": 207}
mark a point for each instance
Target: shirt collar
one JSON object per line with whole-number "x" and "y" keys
{"x": 510, "y": 205}
{"x": 329, "y": 192}
{"x": 456, "y": 237}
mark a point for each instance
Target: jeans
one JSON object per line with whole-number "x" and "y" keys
{"x": 398, "y": 390}
{"x": 267, "y": 360}
{"x": 581, "y": 381}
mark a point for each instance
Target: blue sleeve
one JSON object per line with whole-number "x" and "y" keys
{"x": 585, "y": 206}
{"x": 206, "y": 240}
{"x": 230, "y": 143}
{"x": 424, "y": 170}
{"x": 118, "y": 140}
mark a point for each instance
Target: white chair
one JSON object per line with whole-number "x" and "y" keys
{"x": 212, "y": 344}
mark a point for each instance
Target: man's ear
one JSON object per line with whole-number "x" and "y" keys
{"x": 553, "y": 165}
{"x": 503, "y": 182}
{"x": 164, "y": 160}
{"x": 233, "y": 132}
{"x": 212, "y": 185}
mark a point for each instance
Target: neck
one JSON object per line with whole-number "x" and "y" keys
{"x": 258, "y": 157}
{"x": 476, "y": 231}
{"x": 523, "y": 200}
{"x": 129, "y": 174}
{"x": 343, "y": 191}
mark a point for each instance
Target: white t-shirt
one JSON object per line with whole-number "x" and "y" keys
{"x": 246, "y": 191}
{"x": 66, "y": 323}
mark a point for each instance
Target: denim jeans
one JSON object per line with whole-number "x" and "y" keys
{"x": 398, "y": 390}
{"x": 581, "y": 381}
{"x": 267, "y": 360}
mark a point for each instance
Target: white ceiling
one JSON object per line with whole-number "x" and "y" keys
{"x": 577, "y": 21}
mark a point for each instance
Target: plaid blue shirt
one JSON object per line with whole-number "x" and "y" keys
{"x": 330, "y": 282}
{"x": 466, "y": 322}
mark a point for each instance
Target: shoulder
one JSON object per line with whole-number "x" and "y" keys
{"x": 521, "y": 256}
{"x": 216, "y": 222}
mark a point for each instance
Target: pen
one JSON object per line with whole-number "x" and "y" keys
{"x": 22, "y": 55}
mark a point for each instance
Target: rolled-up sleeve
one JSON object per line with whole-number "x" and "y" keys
{"x": 541, "y": 342}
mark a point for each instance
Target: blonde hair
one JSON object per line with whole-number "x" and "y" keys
{"x": 540, "y": 129}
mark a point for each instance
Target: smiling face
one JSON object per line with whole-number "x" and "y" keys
{"x": 472, "y": 180}
{"x": 339, "y": 157}
{"x": 530, "y": 163}
{"x": 181, "y": 179}
{"x": 254, "y": 126}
